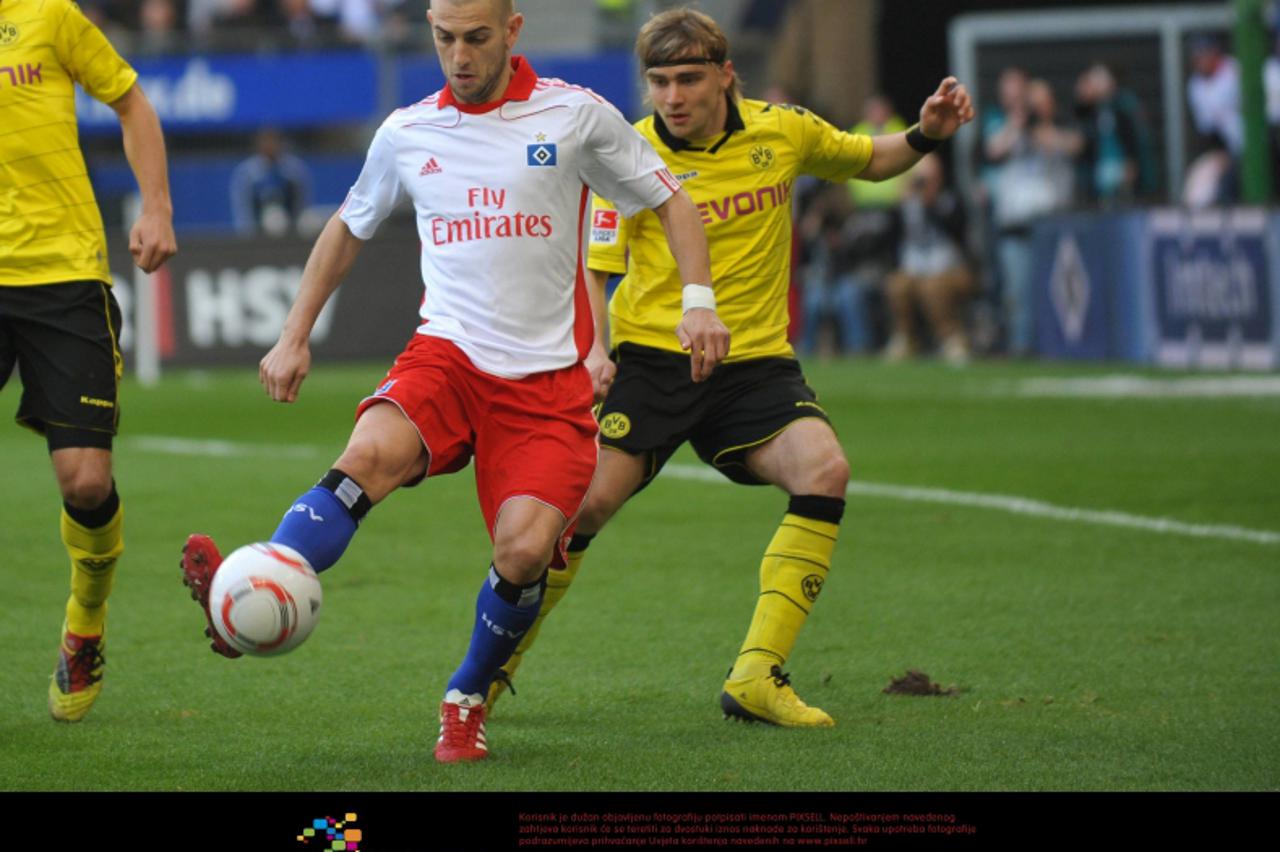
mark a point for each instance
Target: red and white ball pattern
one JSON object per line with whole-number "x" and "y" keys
{"x": 265, "y": 599}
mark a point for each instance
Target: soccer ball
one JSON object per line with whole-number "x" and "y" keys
{"x": 265, "y": 599}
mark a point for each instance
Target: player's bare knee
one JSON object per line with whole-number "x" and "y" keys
{"x": 828, "y": 475}
{"x": 377, "y": 470}
{"x": 596, "y": 512}
{"x": 361, "y": 461}
{"x": 85, "y": 490}
{"x": 522, "y": 557}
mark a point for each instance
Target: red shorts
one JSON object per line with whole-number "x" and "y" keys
{"x": 531, "y": 437}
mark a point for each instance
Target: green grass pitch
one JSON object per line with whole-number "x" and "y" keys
{"x": 1087, "y": 656}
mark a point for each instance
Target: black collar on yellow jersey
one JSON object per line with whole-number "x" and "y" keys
{"x": 732, "y": 124}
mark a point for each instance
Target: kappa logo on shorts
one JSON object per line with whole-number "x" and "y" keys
{"x": 615, "y": 425}
{"x": 812, "y": 586}
{"x": 97, "y": 403}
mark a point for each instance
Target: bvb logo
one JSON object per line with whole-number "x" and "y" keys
{"x": 762, "y": 157}
{"x": 615, "y": 425}
{"x": 8, "y": 33}
{"x": 812, "y": 586}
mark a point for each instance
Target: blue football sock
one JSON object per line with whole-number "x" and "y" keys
{"x": 318, "y": 526}
{"x": 499, "y": 625}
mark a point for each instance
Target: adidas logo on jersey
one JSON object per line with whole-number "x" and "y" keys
{"x": 430, "y": 167}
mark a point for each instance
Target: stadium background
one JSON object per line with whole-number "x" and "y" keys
{"x": 1105, "y": 286}
{"x": 1082, "y": 543}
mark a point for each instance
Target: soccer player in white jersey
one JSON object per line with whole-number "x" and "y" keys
{"x": 499, "y": 165}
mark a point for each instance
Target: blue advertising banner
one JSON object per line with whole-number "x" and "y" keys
{"x": 1212, "y": 289}
{"x": 247, "y": 92}
{"x": 1178, "y": 288}
{"x": 1072, "y": 315}
{"x": 610, "y": 75}
{"x": 1089, "y": 302}
{"x": 201, "y": 187}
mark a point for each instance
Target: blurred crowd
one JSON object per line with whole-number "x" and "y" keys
{"x": 905, "y": 267}
{"x": 900, "y": 268}
{"x": 162, "y": 26}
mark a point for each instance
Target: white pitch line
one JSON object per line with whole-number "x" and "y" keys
{"x": 1143, "y": 387}
{"x": 1000, "y": 502}
{"x": 1018, "y": 506}
{"x": 218, "y": 449}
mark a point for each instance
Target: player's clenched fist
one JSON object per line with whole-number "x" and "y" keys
{"x": 151, "y": 241}
{"x": 705, "y": 338}
{"x": 282, "y": 370}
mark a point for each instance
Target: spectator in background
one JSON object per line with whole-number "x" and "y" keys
{"x": 271, "y": 190}
{"x": 831, "y": 290}
{"x": 1116, "y": 165}
{"x": 158, "y": 22}
{"x": 110, "y": 17}
{"x": 200, "y": 15}
{"x": 1271, "y": 87}
{"x": 1034, "y": 156}
{"x": 1271, "y": 83}
{"x": 823, "y": 54}
{"x": 405, "y": 25}
{"x": 934, "y": 275}
{"x": 870, "y": 235}
{"x": 204, "y": 17}
{"x": 616, "y": 23}
{"x": 301, "y": 24}
{"x": 356, "y": 20}
{"x": 1213, "y": 94}
{"x": 759, "y": 22}
{"x": 878, "y": 118}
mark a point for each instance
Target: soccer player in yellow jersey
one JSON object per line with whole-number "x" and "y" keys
{"x": 58, "y": 318}
{"x": 754, "y": 419}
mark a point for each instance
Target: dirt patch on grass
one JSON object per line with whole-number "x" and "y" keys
{"x": 917, "y": 683}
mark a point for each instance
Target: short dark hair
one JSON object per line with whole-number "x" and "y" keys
{"x": 505, "y": 7}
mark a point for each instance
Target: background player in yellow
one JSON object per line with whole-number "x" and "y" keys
{"x": 58, "y": 318}
{"x": 754, "y": 419}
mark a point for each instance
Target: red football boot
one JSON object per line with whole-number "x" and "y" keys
{"x": 200, "y": 561}
{"x": 461, "y": 728}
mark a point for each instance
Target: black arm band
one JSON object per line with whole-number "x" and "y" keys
{"x": 920, "y": 142}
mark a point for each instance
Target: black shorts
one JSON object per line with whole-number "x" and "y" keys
{"x": 64, "y": 339}
{"x": 654, "y": 406}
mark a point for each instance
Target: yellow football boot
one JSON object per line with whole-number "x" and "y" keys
{"x": 770, "y": 698}
{"x": 77, "y": 680}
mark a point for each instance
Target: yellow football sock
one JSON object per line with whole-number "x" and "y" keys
{"x": 93, "y": 566}
{"x": 791, "y": 576}
{"x": 558, "y": 582}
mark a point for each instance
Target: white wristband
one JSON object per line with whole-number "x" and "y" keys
{"x": 699, "y": 296}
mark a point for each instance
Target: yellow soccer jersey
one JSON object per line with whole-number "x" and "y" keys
{"x": 742, "y": 184}
{"x": 50, "y": 227}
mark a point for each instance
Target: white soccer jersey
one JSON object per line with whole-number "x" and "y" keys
{"x": 501, "y": 192}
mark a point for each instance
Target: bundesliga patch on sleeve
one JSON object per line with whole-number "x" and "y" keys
{"x": 604, "y": 227}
